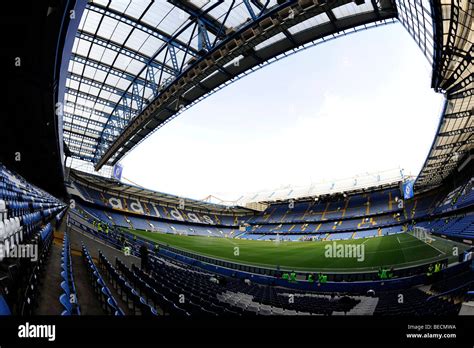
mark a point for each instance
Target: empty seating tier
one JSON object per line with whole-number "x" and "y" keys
{"x": 108, "y": 302}
{"x": 27, "y": 218}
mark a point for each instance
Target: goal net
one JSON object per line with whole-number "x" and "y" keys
{"x": 422, "y": 234}
{"x": 277, "y": 239}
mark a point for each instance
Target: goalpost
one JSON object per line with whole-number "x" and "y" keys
{"x": 277, "y": 239}
{"x": 422, "y": 234}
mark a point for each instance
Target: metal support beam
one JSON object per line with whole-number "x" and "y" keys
{"x": 107, "y": 68}
{"x": 79, "y": 137}
{"x": 102, "y": 144}
{"x": 130, "y": 53}
{"x": 211, "y": 23}
{"x": 99, "y": 100}
{"x": 174, "y": 60}
{"x": 89, "y": 121}
{"x": 166, "y": 109}
{"x": 140, "y": 25}
{"x": 203, "y": 37}
{"x": 459, "y": 114}
{"x": 250, "y": 9}
{"x": 453, "y": 145}
{"x": 94, "y": 83}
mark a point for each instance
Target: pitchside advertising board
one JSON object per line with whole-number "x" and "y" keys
{"x": 407, "y": 189}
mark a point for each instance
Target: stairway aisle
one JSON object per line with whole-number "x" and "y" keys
{"x": 87, "y": 299}
{"x": 93, "y": 246}
{"x": 122, "y": 304}
{"x": 50, "y": 289}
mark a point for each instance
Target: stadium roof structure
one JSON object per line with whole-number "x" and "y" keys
{"x": 113, "y": 186}
{"x": 136, "y": 65}
{"x": 366, "y": 182}
{"x": 452, "y": 76}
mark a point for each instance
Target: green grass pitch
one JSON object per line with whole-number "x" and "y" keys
{"x": 399, "y": 250}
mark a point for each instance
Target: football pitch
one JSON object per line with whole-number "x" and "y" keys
{"x": 400, "y": 250}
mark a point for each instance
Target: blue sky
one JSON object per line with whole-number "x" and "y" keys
{"x": 357, "y": 104}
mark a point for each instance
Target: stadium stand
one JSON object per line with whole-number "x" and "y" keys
{"x": 122, "y": 279}
{"x": 101, "y": 123}
{"x": 26, "y": 217}
{"x": 460, "y": 283}
{"x": 415, "y": 302}
{"x": 174, "y": 288}
{"x": 108, "y": 302}
{"x": 335, "y": 208}
{"x": 371, "y": 213}
{"x": 30, "y": 297}
{"x": 375, "y": 213}
{"x": 147, "y": 224}
{"x": 69, "y": 296}
{"x": 455, "y": 226}
{"x": 378, "y": 212}
{"x": 181, "y": 289}
{"x": 143, "y": 206}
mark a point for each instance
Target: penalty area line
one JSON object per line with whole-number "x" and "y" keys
{"x": 442, "y": 252}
